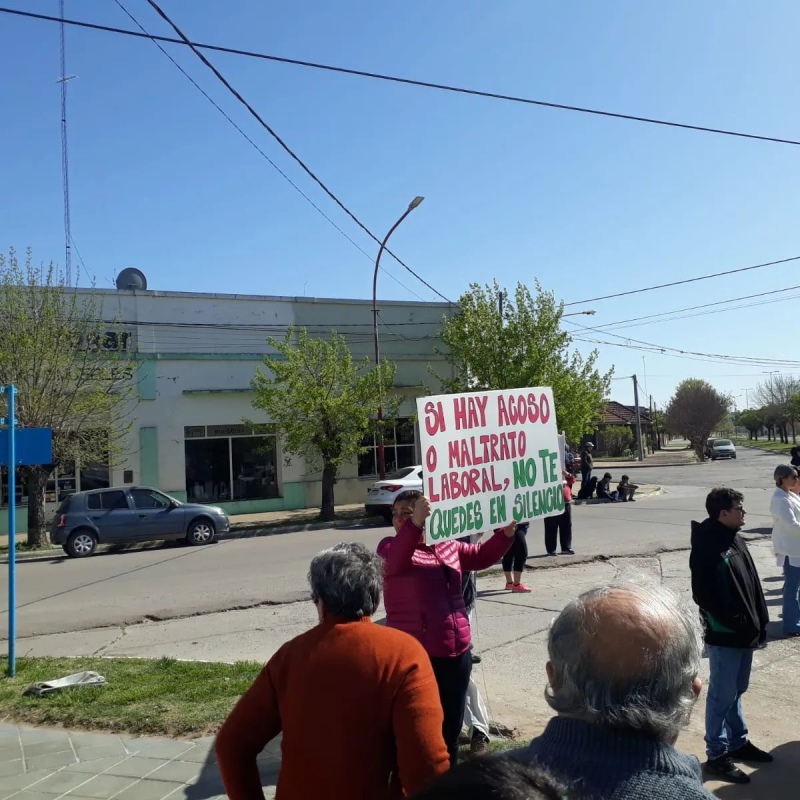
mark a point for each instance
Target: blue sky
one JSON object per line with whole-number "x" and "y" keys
{"x": 589, "y": 206}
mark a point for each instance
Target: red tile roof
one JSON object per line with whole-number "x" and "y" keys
{"x": 617, "y": 414}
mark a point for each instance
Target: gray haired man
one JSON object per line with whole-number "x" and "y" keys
{"x": 622, "y": 678}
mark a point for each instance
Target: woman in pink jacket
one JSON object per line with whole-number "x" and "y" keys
{"x": 423, "y": 597}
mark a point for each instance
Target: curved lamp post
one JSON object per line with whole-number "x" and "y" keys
{"x": 411, "y": 206}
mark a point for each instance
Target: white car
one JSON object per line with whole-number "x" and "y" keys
{"x": 721, "y": 448}
{"x": 381, "y": 494}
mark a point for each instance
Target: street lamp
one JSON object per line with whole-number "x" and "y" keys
{"x": 411, "y": 206}
{"x": 580, "y": 313}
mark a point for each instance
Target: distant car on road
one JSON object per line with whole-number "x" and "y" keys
{"x": 381, "y": 494}
{"x": 131, "y": 514}
{"x": 720, "y": 448}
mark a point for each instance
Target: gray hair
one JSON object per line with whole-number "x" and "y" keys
{"x": 659, "y": 700}
{"x": 348, "y": 579}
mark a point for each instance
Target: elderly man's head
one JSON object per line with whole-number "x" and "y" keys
{"x": 346, "y": 581}
{"x": 626, "y": 656}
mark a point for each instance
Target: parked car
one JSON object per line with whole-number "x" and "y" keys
{"x": 381, "y": 494}
{"x": 131, "y": 514}
{"x": 721, "y": 448}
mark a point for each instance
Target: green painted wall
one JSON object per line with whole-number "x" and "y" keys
{"x": 146, "y": 380}
{"x": 22, "y": 520}
{"x": 148, "y": 457}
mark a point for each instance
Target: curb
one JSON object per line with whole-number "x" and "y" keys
{"x": 643, "y": 494}
{"x": 240, "y": 533}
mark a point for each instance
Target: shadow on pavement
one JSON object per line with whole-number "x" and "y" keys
{"x": 777, "y": 781}
{"x": 209, "y": 782}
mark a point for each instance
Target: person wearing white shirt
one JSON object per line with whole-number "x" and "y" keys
{"x": 785, "y": 510}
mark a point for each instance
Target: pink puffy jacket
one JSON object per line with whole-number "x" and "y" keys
{"x": 422, "y": 589}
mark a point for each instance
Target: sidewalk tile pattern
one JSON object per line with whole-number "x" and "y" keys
{"x": 43, "y": 764}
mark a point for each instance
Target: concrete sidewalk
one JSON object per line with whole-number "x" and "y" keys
{"x": 40, "y": 764}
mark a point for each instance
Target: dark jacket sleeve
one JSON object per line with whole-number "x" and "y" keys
{"x": 714, "y": 592}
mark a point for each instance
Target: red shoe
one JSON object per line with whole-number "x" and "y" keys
{"x": 520, "y": 587}
{"x": 509, "y": 585}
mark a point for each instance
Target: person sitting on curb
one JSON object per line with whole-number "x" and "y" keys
{"x": 603, "y": 490}
{"x": 626, "y": 490}
{"x": 357, "y": 703}
{"x": 726, "y": 587}
{"x": 621, "y": 708}
{"x": 495, "y": 777}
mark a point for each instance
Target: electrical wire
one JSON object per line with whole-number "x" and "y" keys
{"x": 682, "y": 282}
{"x": 622, "y": 324}
{"x": 412, "y": 82}
{"x": 258, "y": 149}
{"x": 288, "y": 149}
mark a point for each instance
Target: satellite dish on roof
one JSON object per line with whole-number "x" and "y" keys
{"x": 131, "y": 278}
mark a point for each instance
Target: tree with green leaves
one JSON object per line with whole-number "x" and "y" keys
{"x": 524, "y": 345}
{"x": 322, "y": 401}
{"x": 72, "y": 371}
{"x": 695, "y": 410}
{"x": 752, "y": 420}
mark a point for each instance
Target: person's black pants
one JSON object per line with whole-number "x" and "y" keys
{"x": 452, "y": 677}
{"x": 586, "y": 476}
{"x": 559, "y": 527}
{"x": 517, "y": 554}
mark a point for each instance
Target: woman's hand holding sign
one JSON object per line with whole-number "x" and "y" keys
{"x": 422, "y": 510}
{"x": 510, "y": 529}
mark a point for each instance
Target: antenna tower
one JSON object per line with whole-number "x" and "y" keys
{"x": 63, "y": 80}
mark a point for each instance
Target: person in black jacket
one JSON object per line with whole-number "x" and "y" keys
{"x": 726, "y": 586}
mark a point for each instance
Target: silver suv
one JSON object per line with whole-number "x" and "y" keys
{"x": 131, "y": 514}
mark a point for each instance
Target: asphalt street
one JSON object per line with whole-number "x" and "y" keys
{"x": 56, "y": 595}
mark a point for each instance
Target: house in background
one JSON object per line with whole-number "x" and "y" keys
{"x": 616, "y": 414}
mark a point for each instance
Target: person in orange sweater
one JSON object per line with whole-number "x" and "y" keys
{"x": 357, "y": 703}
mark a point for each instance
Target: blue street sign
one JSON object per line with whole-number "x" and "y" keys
{"x": 33, "y": 446}
{"x": 18, "y": 447}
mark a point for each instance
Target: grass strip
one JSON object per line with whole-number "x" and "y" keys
{"x": 161, "y": 697}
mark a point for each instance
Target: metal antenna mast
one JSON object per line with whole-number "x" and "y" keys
{"x": 63, "y": 80}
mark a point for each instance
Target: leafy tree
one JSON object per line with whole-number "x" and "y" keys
{"x": 695, "y": 410}
{"x": 753, "y": 420}
{"x": 72, "y": 371}
{"x": 617, "y": 439}
{"x": 775, "y": 395}
{"x": 322, "y": 401}
{"x": 526, "y": 346}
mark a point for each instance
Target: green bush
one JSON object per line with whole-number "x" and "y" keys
{"x": 617, "y": 440}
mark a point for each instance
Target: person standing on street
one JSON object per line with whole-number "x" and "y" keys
{"x": 476, "y": 717}
{"x": 785, "y": 509}
{"x": 587, "y": 465}
{"x": 423, "y": 597}
{"x": 357, "y": 703}
{"x": 726, "y": 587}
{"x": 560, "y": 526}
{"x": 515, "y": 558}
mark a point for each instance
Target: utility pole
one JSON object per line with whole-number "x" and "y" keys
{"x": 654, "y": 417}
{"x": 500, "y": 298}
{"x": 638, "y": 418}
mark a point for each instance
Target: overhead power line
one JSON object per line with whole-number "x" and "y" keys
{"x": 195, "y": 49}
{"x": 418, "y": 83}
{"x": 705, "y": 308}
{"x": 258, "y": 149}
{"x": 682, "y": 282}
{"x": 638, "y": 344}
{"x": 288, "y": 149}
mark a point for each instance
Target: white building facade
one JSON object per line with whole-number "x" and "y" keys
{"x": 195, "y": 356}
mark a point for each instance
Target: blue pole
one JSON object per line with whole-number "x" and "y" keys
{"x": 11, "y": 422}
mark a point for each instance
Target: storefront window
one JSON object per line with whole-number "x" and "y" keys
{"x": 61, "y": 483}
{"x": 399, "y": 450}
{"x": 230, "y": 462}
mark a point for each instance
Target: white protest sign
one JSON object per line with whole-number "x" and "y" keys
{"x": 489, "y": 458}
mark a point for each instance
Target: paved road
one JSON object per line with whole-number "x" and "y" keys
{"x": 59, "y": 595}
